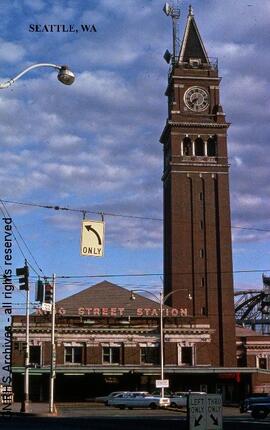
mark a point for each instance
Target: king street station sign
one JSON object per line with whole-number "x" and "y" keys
{"x": 92, "y": 238}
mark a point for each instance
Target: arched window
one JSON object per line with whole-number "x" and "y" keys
{"x": 187, "y": 146}
{"x": 211, "y": 147}
{"x": 199, "y": 147}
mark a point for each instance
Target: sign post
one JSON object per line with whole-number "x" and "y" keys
{"x": 92, "y": 238}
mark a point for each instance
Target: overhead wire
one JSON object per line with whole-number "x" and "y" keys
{"x": 111, "y": 214}
{"x": 131, "y": 275}
{"x": 22, "y": 239}
{"x": 17, "y": 242}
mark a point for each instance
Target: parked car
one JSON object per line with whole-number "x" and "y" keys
{"x": 105, "y": 399}
{"x": 167, "y": 392}
{"x": 259, "y": 407}
{"x": 244, "y": 404}
{"x": 179, "y": 399}
{"x": 138, "y": 400}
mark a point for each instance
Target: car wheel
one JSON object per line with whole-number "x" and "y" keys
{"x": 130, "y": 408}
{"x": 153, "y": 406}
{"x": 259, "y": 413}
{"x": 122, "y": 407}
{"x": 173, "y": 405}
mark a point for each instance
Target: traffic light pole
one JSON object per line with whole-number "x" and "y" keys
{"x": 25, "y": 402}
{"x": 53, "y": 352}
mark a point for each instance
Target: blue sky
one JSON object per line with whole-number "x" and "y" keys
{"x": 95, "y": 145}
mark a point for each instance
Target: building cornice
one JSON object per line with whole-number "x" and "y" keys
{"x": 147, "y": 370}
{"x": 187, "y": 124}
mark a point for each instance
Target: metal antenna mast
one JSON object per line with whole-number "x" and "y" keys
{"x": 173, "y": 10}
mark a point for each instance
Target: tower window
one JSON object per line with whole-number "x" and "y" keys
{"x": 199, "y": 147}
{"x": 203, "y": 310}
{"x": 202, "y": 281}
{"x": 201, "y": 253}
{"x": 201, "y": 196}
{"x": 211, "y": 147}
{"x": 187, "y": 146}
{"x": 201, "y": 225}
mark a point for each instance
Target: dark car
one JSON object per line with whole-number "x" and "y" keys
{"x": 251, "y": 398}
{"x": 258, "y": 406}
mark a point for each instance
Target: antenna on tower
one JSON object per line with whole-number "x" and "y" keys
{"x": 173, "y": 10}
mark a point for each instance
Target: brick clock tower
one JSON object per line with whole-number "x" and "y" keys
{"x": 197, "y": 227}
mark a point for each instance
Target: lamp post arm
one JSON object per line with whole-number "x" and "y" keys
{"x": 34, "y": 66}
{"x": 146, "y": 291}
{"x": 172, "y": 292}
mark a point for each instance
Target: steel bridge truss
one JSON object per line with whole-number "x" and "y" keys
{"x": 252, "y": 307}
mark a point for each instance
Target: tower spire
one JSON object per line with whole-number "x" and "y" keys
{"x": 192, "y": 45}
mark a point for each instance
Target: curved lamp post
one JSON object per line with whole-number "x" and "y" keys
{"x": 161, "y": 299}
{"x": 65, "y": 75}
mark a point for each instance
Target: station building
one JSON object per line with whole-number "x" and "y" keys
{"x": 106, "y": 342}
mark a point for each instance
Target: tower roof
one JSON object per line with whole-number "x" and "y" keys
{"x": 192, "y": 45}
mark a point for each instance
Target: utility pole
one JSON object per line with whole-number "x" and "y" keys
{"x": 23, "y": 274}
{"x": 161, "y": 342}
{"x": 53, "y": 351}
{"x": 25, "y": 404}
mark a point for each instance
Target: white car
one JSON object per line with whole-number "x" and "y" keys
{"x": 179, "y": 399}
{"x": 138, "y": 400}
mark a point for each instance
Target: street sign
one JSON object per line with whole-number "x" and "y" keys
{"x": 205, "y": 411}
{"x": 214, "y": 412}
{"x": 46, "y": 307}
{"x": 162, "y": 383}
{"x": 92, "y": 238}
{"x": 197, "y": 411}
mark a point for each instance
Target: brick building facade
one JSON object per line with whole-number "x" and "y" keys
{"x": 105, "y": 341}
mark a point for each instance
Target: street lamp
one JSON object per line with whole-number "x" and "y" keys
{"x": 65, "y": 75}
{"x": 161, "y": 299}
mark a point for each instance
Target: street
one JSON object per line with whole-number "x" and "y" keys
{"x": 73, "y": 417}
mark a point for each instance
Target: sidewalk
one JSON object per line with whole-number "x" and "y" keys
{"x": 35, "y": 409}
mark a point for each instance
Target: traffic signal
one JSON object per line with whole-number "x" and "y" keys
{"x": 48, "y": 293}
{"x": 23, "y": 274}
{"x": 39, "y": 291}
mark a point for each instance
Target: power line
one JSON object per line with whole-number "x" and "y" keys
{"x": 127, "y": 275}
{"x": 111, "y": 214}
{"x": 82, "y": 211}
{"x": 15, "y": 238}
{"x": 159, "y": 274}
{"x": 22, "y": 239}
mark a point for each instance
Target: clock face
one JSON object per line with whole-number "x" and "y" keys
{"x": 196, "y": 99}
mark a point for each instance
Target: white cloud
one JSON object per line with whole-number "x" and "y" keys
{"x": 11, "y": 52}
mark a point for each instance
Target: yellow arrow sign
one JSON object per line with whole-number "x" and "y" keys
{"x": 92, "y": 238}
